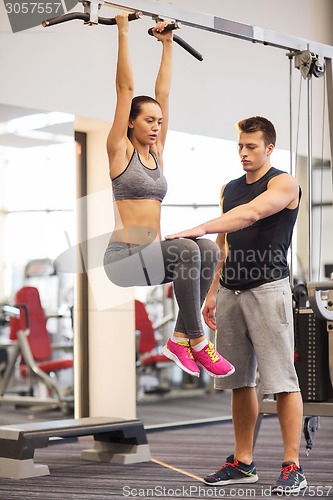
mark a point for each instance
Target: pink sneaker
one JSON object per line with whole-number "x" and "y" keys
{"x": 181, "y": 353}
{"x": 212, "y": 362}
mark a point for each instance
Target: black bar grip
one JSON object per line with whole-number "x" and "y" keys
{"x": 86, "y": 18}
{"x": 170, "y": 27}
{"x": 66, "y": 17}
{"x": 111, "y": 21}
{"x": 188, "y": 47}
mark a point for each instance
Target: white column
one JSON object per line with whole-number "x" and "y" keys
{"x": 111, "y": 323}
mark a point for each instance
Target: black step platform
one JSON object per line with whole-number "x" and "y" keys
{"x": 116, "y": 440}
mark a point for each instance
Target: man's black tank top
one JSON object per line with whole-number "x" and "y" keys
{"x": 256, "y": 254}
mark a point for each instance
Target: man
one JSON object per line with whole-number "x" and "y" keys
{"x": 252, "y": 298}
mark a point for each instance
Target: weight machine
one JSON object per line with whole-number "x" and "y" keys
{"x": 311, "y": 59}
{"x": 317, "y": 323}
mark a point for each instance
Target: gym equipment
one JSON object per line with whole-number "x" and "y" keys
{"x": 56, "y": 290}
{"x": 33, "y": 351}
{"x": 180, "y": 41}
{"x": 116, "y": 441}
{"x": 316, "y": 371}
{"x": 311, "y": 424}
{"x": 309, "y": 64}
{"x": 149, "y": 360}
{"x": 8, "y": 312}
{"x": 317, "y": 381}
{"x": 90, "y": 17}
{"x": 316, "y": 302}
{"x": 311, "y": 359}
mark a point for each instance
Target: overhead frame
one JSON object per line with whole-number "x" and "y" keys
{"x": 209, "y": 22}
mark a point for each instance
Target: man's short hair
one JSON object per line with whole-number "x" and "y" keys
{"x": 258, "y": 123}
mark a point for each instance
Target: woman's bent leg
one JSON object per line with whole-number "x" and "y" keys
{"x": 209, "y": 255}
{"x": 190, "y": 265}
{"x": 183, "y": 266}
{"x": 192, "y": 274}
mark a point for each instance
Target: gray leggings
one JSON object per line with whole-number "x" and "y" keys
{"x": 188, "y": 263}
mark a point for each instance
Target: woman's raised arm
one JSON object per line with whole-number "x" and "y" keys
{"x": 117, "y": 138}
{"x": 163, "y": 82}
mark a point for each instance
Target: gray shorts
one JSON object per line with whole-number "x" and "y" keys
{"x": 255, "y": 331}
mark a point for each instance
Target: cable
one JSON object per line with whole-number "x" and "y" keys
{"x": 291, "y": 156}
{"x": 321, "y": 186}
{"x": 310, "y": 222}
{"x": 298, "y": 119}
{"x": 299, "y": 262}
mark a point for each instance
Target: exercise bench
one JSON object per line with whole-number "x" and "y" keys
{"x": 116, "y": 440}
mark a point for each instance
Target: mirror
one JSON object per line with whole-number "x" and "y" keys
{"x": 37, "y": 201}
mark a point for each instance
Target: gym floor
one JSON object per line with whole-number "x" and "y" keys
{"x": 176, "y": 406}
{"x": 180, "y": 458}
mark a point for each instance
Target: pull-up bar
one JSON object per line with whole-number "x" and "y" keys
{"x": 90, "y": 16}
{"x": 86, "y": 17}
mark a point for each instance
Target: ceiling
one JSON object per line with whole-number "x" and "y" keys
{"x": 25, "y": 127}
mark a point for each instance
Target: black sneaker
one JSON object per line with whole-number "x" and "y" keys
{"x": 232, "y": 472}
{"x": 291, "y": 479}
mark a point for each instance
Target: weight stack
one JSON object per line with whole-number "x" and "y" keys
{"x": 311, "y": 356}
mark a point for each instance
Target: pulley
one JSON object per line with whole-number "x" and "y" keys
{"x": 309, "y": 64}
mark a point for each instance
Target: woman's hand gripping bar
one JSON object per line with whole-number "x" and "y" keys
{"x": 170, "y": 27}
{"x": 180, "y": 41}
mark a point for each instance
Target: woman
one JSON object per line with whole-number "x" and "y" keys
{"x": 136, "y": 254}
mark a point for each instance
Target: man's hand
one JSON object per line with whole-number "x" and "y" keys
{"x": 195, "y": 232}
{"x": 208, "y": 311}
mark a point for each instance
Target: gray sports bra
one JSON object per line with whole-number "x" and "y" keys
{"x": 138, "y": 182}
